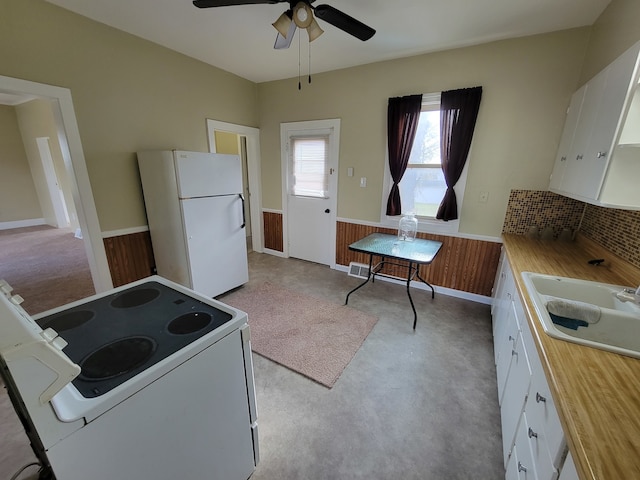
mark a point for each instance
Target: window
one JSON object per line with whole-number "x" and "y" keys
{"x": 310, "y": 175}
{"x": 423, "y": 185}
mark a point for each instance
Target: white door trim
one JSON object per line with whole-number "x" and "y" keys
{"x": 253, "y": 166}
{"x": 53, "y": 185}
{"x": 76, "y": 167}
{"x": 334, "y": 149}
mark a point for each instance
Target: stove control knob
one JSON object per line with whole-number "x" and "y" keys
{"x": 16, "y": 299}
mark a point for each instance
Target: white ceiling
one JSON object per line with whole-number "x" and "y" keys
{"x": 240, "y": 39}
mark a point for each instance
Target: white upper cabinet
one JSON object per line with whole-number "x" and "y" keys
{"x": 598, "y": 158}
{"x": 567, "y": 140}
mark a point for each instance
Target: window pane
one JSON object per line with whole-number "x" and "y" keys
{"x": 422, "y": 190}
{"x": 426, "y": 146}
{"x": 310, "y": 176}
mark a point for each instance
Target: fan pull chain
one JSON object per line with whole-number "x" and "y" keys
{"x": 299, "y": 82}
{"x": 309, "y": 62}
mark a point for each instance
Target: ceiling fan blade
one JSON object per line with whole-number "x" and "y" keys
{"x": 283, "y": 42}
{"x": 228, "y": 3}
{"x": 344, "y": 22}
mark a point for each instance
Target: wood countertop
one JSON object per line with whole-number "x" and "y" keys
{"x": 597, "y": 393}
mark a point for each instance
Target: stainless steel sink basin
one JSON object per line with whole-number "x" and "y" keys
{"x": 617, "y": 330}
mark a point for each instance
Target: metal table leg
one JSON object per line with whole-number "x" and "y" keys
{"x": 346, "y": 302}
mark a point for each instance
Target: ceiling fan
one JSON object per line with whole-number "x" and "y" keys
{"x": 301, "y": 14}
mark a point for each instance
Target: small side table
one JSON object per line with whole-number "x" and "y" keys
{"x": 417, "y": 252}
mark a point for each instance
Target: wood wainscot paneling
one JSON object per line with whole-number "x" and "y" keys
{"x": 273, "y": 231}
{"x": 130, "y": 257}
{"x": 462, "y": 264}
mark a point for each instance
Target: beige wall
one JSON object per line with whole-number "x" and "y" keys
{"x": 614, "y": 32}
{"x": 527, "y": 84}
{"x": 18, "y": 198}
{"x": 36, "y": 119}
{"x": 128, "y": 95}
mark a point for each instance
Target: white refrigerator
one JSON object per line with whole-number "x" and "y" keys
{"x": 195, "y": 210}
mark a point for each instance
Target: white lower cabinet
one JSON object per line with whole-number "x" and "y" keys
{"x": 569, "y": 471}
{"x": 534, "y": 445}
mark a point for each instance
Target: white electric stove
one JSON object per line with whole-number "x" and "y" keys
{"x": 148, "y": 380}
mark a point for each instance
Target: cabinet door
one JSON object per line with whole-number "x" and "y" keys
{"x": 505, "y": 348}
{"x": 515, "y": 393}
{"x": 568, "y": 471}
{"x": 606, "y": 124}
{"x": 501, "y": 313}
{"x": 567, "y": 140}
{"x": 575, "y": 174}
{"x": 498, "y": 285}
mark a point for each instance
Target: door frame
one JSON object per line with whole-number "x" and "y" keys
{"x": 54, "y": 191}
{"x": 76, "y": 168}
{"x": 286, "y": 129}
{"x": 252, "y": 136}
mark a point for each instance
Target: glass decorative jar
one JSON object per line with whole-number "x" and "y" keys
{"x": 408, "y": 227}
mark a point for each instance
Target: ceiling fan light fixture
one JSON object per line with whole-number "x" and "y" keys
{"x": 314, "y": 30}
{"x": 283, "y": 23}
{"x": 302, "y": 15}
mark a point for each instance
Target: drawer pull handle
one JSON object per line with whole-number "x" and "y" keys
{"x": 521, "y": 468}
{"x": 540, "y": 398}
{"x": 532, "y": 434}
{"x": 511, "y": 339}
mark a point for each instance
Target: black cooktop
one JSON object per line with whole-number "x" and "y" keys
{"x": 118, "y": 336}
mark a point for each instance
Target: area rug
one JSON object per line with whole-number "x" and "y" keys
{"x": 310, "y": 336}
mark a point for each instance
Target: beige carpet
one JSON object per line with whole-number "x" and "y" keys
{"x": 308, "y": 335}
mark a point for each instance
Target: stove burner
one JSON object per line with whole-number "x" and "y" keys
{"x": 135, "y": 298}
{"x": 68, "y": 320}
{"x": 117, "y": 358}
{"x": 189, "y": 323}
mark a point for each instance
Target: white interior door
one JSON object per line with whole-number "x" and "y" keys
{"x": 309, "y": 198}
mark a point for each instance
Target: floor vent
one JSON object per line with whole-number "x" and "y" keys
{"x": 359, "y": 270}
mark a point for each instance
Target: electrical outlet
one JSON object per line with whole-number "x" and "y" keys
{"x": 484, "y": 196}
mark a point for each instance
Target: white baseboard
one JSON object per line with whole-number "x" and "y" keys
{"x": 32, "y": 222}
{"x": 274, "y": 252}
{"x": 474, "y": 297}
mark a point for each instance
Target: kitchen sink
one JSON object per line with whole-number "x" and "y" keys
{"x": 617, "y": 330}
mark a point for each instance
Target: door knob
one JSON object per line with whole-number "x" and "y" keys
{"x": 327, "y": 211}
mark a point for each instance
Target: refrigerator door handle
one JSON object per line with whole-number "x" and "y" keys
{"x": 244, "y": 220}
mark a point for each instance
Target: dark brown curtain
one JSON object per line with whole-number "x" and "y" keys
{"x": 458, "y": 114}
{"x": 402, "y": 122}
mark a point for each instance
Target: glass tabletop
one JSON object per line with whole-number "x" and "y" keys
{"x": 385, "y": 245}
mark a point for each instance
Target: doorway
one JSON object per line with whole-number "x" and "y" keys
{"x": 246, "y": 142}
{"x": 309, "y": 189}
{"x": 73, "y": 156}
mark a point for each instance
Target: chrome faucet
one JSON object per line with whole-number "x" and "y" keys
{"x": 629, "y": 295}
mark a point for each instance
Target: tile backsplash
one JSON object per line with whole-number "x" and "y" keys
{"x": 541, "y": 209}
{"x": 616, "y": 230}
